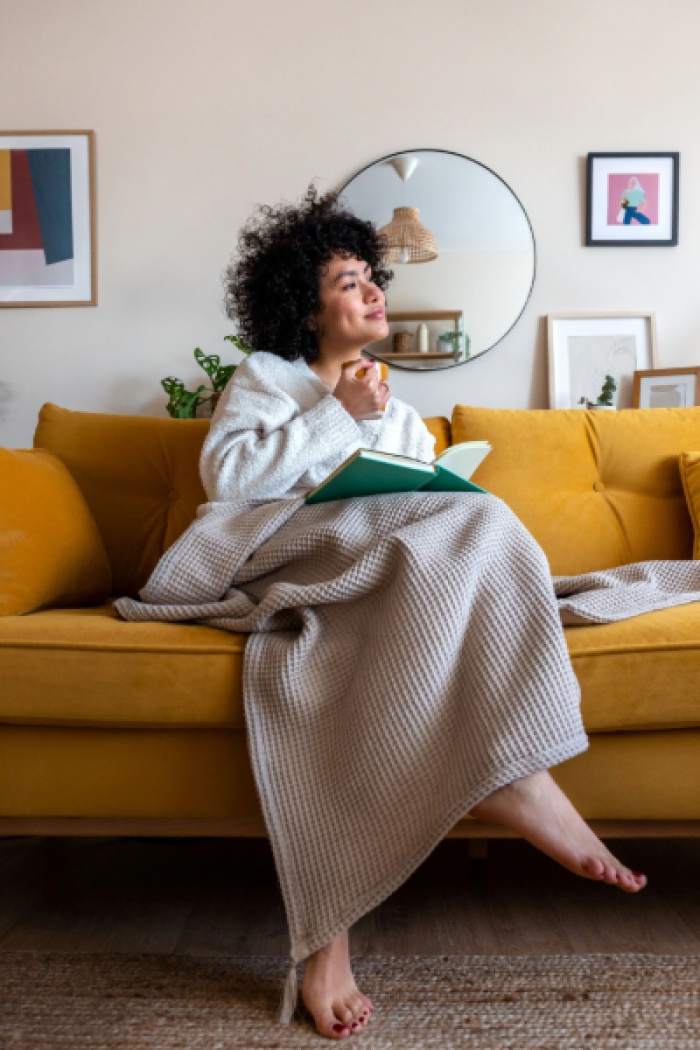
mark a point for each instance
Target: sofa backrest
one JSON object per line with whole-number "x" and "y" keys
{"x": 597, "y": 489}
{"x": 140, "y": 477}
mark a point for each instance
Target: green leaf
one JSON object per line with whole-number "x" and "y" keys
{"x": 222, "y": 376}
{"x": 172, "y": 386}
{"x": 210, "y": 363}
{"x": 239, "y": 344}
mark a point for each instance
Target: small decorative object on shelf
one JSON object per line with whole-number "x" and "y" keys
{"x": 401, "y": 343}
{"x": 183, "y": 404}
{"x": 422, "y": 338}
{"x": 452, "y": 341}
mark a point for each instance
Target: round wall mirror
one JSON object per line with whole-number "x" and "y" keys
{"x": 462, "y": 251}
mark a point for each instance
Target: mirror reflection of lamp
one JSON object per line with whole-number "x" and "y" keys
{"x": 407, "y": 239}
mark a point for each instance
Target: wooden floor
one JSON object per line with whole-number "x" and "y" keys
{"x": 220, "y": 897}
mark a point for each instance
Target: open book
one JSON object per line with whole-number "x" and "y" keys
{"x": 370, "y": 473}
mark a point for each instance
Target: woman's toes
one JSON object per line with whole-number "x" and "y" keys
{"x": 594, "y": 868}
{"x": 343, "y": 1013}
{"x": 633, "y": 881}
{"x": 356, "y": 1004}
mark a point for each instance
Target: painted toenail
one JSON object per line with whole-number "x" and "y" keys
{"x": 338, "y": 1027}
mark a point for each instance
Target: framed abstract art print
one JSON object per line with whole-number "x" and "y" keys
{"x": 47, "y": 219}
{"x": 632, "y": 200}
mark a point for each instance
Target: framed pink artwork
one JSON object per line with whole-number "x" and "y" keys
{"x": 632, "y": 200}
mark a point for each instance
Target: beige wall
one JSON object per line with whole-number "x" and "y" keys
{"x": 203, "y": 109}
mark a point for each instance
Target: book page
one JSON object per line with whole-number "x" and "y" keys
{"x": 393, "y": 457}
{"x": 463, "y": 459}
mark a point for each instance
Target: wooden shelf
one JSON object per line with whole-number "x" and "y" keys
{"x": 430, "y": 355}
{"x": 424, "y": 315}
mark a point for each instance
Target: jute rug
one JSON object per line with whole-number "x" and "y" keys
{"x": 169, "y": 1002}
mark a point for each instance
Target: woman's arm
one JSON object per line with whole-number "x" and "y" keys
{"x": 260, "y": 443}
{"x": 404, "y": 432}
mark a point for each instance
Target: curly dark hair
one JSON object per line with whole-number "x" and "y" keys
{"x": 273, "y": 283}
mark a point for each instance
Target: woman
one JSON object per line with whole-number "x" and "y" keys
{"x": 634, "y": 202}
{"x": 368, "y": 744}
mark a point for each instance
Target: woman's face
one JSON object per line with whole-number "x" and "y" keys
{"x": 352, "y": 314}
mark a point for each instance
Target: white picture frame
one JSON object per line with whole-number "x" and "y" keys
{"x": 583, "y": 348}
{"x": 667, "y": 388}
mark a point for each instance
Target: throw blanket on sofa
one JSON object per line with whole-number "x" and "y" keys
{"x": 617, "y": 594}
{"x": 406, "y": 659}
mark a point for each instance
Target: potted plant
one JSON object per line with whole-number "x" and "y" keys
{"x": 605, "y": 398}
{"x": 182, "y": 403}
{"x": 452, "y": 340}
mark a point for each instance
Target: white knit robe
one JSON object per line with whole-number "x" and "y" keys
{"x": 278, "y": 431}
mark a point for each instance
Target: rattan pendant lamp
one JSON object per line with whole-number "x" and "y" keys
{"x": 408, "y": 240}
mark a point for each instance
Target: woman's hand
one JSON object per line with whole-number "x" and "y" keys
{"x": 361, "y": 394}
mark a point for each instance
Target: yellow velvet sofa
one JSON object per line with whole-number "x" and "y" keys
{"x": 108, "y": 727}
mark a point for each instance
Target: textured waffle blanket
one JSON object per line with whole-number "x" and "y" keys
{"x": 406, "y": 658}
{"x": 617, "y": 594}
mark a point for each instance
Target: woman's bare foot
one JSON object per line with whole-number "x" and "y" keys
{"x": 330, "y": 994}
{"x": 538, "y": 809}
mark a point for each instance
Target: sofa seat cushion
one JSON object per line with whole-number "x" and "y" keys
{"x": 641, "y": 673}
{"x": 87, "y": 667}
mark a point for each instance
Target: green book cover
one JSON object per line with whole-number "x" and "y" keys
{"x": 369, "y": 473}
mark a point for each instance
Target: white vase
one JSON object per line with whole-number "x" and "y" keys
{"x": 422, "y": 338}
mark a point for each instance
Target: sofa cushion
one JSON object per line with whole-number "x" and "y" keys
{"x": 140, "y": 477}
{"x": 87, "y": 667}
{"x": 596, "y": 489}
{"x": 690, "y": 476}
{"x": 441, "y": 430}
{"x": 641, "y": 673}
{"x": 51, "y": 553}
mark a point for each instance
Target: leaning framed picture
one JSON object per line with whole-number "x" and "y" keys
{"x": 586, "y": 350}
{"x": 632, "y": 200}
{"x": 48, "y": 250}
{"x": 666, "y": 388}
